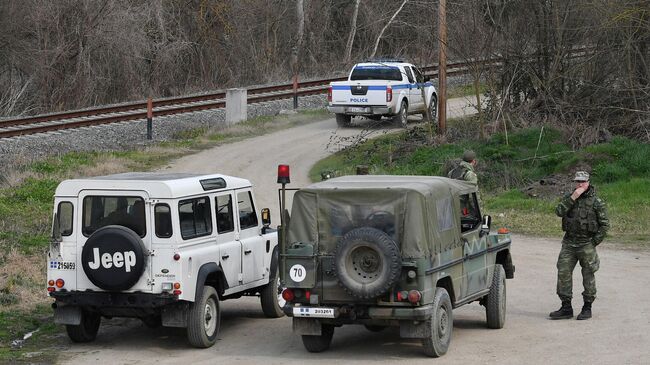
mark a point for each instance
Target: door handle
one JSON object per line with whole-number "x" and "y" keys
{"x": 247, "y": 252}
{"x": 225, "y": 257}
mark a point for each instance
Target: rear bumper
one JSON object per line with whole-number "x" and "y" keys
{"x": 365, "y": 110}
{"x": 347, "y": 314}
{"x": 113, "y": 300}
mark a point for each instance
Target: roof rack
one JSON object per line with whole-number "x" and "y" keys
{"x": 384, "y": 59}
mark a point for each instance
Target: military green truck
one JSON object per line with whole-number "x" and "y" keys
{"x": 386, "y": 251}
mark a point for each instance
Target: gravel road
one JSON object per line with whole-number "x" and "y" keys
{"x": 618, "y": 333}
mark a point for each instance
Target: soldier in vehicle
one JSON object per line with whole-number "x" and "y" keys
{"x": 465, "y": 169}
{"x": 585, "y": 223}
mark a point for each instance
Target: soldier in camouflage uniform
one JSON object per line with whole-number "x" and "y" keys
{"x": 585, "y": 223}
{"x": 465, "y": 169}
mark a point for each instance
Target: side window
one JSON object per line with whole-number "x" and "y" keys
{"x": 195, "y": 217}
{"x": 470, "y": 217}
{"x": 418, "y": 75}
{"x": 409, "y": 74}
{"x": 64, "y": 214}
{"x": 225, "y": 221}
{"x": 247, "y": 216}
{"x": 163, "y": 216}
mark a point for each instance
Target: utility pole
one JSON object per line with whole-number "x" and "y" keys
{"x": 442, "y": 67}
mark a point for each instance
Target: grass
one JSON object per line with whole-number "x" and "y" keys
{"x": 620, "y": 173}
{"x": 38, "y": 348}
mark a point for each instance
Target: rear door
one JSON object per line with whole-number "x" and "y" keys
{"x": 103, "y": 208}
{"x": 253, "y": 244}
{"x": 230, "y": 247}
{"x": 415, "y": 92}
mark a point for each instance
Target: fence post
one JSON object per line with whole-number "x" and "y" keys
{"x": 149, "y": 118}
{"x": 295, "y": 91}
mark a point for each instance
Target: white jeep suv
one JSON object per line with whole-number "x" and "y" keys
{"x": 165, "y": 248}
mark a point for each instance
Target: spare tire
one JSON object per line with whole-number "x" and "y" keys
{"x": 367, "y": 262}
{"x": 113, "y": 258}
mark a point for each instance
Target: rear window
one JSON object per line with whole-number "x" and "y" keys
{"x": 101, "y": 211}
{"x": 376, "y": 73}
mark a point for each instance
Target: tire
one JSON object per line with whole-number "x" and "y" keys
{"x": 114, "y": 239}
{"x": 87, "y": 330}
{"x": 495, "y": 307}
{"x": 433, "y": 109}
{"x": 374, "y": 328}
{"x": 319, "y": 343}
{"x": 367, "y": 262}
{"x": 440, "y": 326}
{"x": 204, "y": 319}
{"x": 401, "y": 119}
{"x": 271, "y": 297}
{"x": 343, "y": 120}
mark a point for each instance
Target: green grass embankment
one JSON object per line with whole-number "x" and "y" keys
{"x": 620, "y": 173}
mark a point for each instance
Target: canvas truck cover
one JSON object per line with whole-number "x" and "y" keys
{"x": 418, "y": 212}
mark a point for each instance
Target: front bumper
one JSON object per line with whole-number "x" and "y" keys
{"x": 360, "y": 110}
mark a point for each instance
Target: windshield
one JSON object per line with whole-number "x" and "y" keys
{"x": 101, "y": 211}
{"x": 376, "y": 73}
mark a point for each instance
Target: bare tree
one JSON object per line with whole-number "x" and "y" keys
{"x": 353, "y": 32}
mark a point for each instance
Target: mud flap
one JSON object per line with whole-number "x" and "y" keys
{"x": 307, "y": 326}
{"x": 175, "y": 315}
{"x": 412, "y": 329}
{"x": 67, "y": 314}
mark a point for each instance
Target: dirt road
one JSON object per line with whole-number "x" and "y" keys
{"x": 618, "y": 333}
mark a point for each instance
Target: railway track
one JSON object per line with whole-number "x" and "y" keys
{"x": 184, "y": 104}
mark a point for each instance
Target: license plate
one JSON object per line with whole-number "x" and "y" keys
{"x": 357, "y": 110}
{"x": 313, "y": 312}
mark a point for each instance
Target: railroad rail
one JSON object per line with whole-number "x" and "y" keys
{"x": 188, "y": 104}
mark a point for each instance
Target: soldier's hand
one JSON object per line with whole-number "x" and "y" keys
{"x": 578, "y": 191}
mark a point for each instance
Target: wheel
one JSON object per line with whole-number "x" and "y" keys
{"x": 113, "y": 240}
{"x": 401, "y": 119}
{"x": 204, "y": 318}
{"x": 271, "y": 297}
{"x": 86, "y": 331}
{"x": 439, "y": 326}
{"x": 367, "y": 262}
{"x": 153, "y": 321}
{"x": 495, "y": 307}
{"x": 343, "y": 120}
{"x": 373, "y": 328}
{"x": 433, "y": 109}
{"x": 319, "y": 343}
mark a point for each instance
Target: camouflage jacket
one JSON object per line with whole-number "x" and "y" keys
{"x": 464, "y": 171}
{"x": 584, "y": 220}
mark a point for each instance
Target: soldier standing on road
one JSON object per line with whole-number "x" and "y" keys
{"x": 585, "y": 223}
{"x": 465, "y": 169}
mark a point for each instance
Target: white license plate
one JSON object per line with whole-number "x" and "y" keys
{"x": 313, "y": 312}
{"x": 357, "y": 110}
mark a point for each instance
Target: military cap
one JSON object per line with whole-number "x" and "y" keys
{"x": 469, "y": 156}
{"x": 581, "y": 176}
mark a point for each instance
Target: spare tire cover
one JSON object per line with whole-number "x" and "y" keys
{"x": 113, "y": 258}
{"x": 367, "y": 262}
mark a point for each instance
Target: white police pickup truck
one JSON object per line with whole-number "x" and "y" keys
{"x": 375, "y": 89}
{"x": 165, "y": 248}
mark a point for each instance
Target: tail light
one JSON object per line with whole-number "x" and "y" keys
{"x": 414, "y": 296}
{"x": 287, "y": 294}
{"x": 329, "y": 94}
{"x": 389, "y": 94}
{"x": 60, "y": 283}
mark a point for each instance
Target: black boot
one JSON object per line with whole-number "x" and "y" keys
{"x": 565, "y": 312}
{"x": 585, "y": 313}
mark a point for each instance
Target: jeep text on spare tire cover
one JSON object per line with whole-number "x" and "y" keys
{"x": 113, "y": 258}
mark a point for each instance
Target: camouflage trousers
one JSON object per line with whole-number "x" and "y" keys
{"x": 566, "y": 262}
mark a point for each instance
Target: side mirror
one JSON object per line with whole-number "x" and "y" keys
{"x": 487, "y": 222}
{"x": 266, "y": 217}
{"x": 426, "y": 78}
